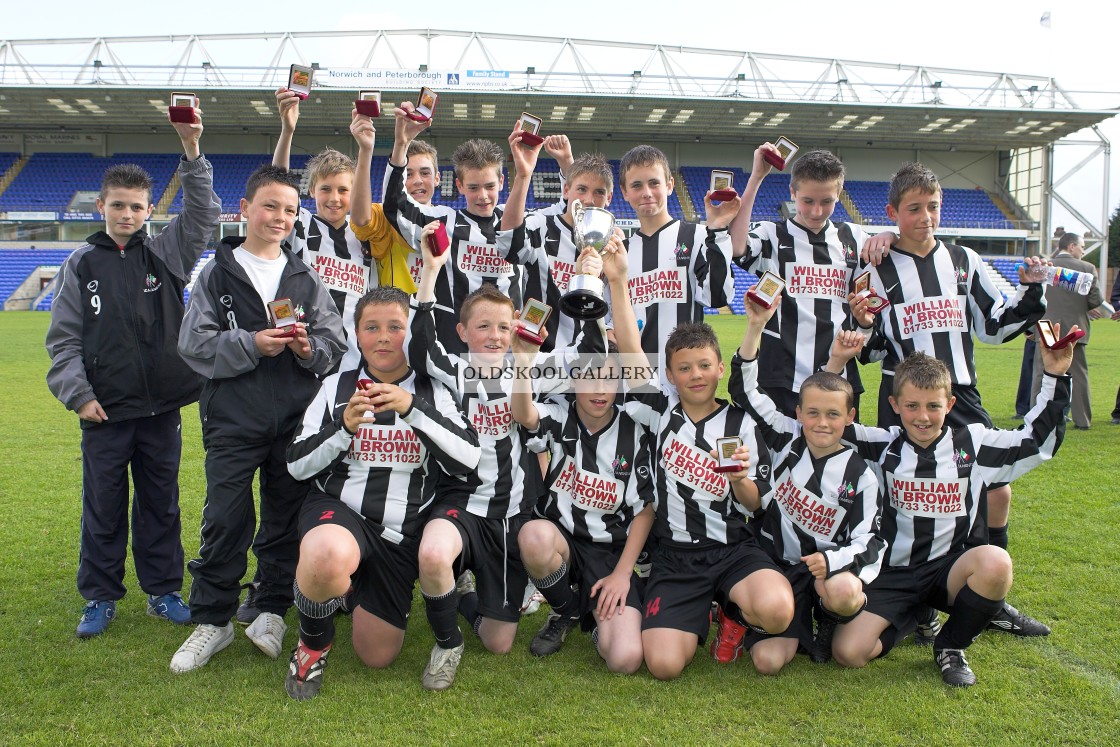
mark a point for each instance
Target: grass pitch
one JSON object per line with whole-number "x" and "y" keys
{"x": 117, "y": 689}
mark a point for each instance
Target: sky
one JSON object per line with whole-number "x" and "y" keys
{"x": 995, "y": 36}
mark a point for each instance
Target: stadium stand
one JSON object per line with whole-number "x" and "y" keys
{"x": 17, "y": 264}
{"x": 960, "y": 208}
{"x": 49, "y": 180}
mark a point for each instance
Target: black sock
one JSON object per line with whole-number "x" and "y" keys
{"x": 970, "y": 614}
{"x": 468, "y": 608}
{"x": 316, "y": 620}
{"x": 998, "y": 536}
{"x": 557, "y": 590}
{"x": 441, "y": 617}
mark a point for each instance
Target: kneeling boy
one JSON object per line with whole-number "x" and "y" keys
{"x": 820, "y": 522}
{"x": 935, "y": 516}
{"x": 374, "y": 440}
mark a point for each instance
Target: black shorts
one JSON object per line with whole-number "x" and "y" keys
{"x": 684, "y": 582}
{"x": 387, "y": 573}
{"x": 587, "y": 563}
{"x": 490, "y": 551}
{"x": 897, "y": 594}
{"x": 804, "y": 598}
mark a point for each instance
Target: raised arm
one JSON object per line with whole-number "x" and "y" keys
{"x": 287, "y": 102}
{"x": 740, "y": 225}
{"x": 188, "y": 234}
{"x": 361, "y": 198}
{"x": 525, "y": 161}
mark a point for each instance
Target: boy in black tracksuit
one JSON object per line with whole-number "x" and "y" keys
{"x": 114, "y": 325}
{"x": 259, "y": 383}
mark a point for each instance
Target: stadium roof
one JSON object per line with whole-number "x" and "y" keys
{"x": 584, "y": 88}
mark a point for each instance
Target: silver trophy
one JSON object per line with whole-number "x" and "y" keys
{"x": 592, "y": 227}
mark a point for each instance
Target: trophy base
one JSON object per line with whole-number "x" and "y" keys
{"x": 583, "y": 304}
{"x": 530, "y": 139}
{"x": 775, "y": 160}
{"x": 723, "y": 195}
{"x": 732, "y": 468}
{"x": 181, "y": 114}
{"x": 417, "y": 117}
{"x": 528, "y": 336}
{"x": 368, "y": 108}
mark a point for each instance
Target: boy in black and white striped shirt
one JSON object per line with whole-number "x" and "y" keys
{"x": 542, "y": 244}
{"x": 475, "y": 525}
{"x": 817, "y": 258}
{"x": 940, "y": 297}
{"x": 598, "y": 512}
{"x": 935, "y": 515}
{"x": 324, "y": 240}
{"x": 704, "y": 552}
{"x": 676, "y": 267}
{"x": 374, "y": 440}
{"x": 474, "y": 256}
{"x": 820, "y": 522}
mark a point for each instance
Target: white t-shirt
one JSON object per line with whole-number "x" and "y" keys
{"x": 263, "y": 273}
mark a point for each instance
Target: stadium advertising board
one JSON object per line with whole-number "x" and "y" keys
{"x": 389, "y": 78}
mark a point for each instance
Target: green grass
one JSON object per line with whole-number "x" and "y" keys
{"x": 117, "y": 689}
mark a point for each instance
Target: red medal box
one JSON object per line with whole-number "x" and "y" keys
{"x": 530, "y": 126}
{"x": 299, "y": 80}
{"x": 768, "y": 290}
{"x": 182, "y": 107}
{"x": 438, "y": 241}
{"x": 862, "y": 287}
{"x": 533, "y": 318}
{"x": 368, "y": 103}
{"x": 425, "y": 105}
{"x": 787, "y": 149}
{"x": 283, "y": 314}
{"x": 1050, "y": 339}
{"x": 722, "y": 186}
{"x": 725, "y": 451}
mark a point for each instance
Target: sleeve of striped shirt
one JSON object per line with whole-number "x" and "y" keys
{"x": 864, "y": 552}
{"x": 711, "y": 269}
{"x": 402, "y": 211}
{"x": 777, "y": 428}
{"x": 868, "y": 441}
{"x": 646, "y": 404}
{"x": 997, "y": 320}
{"x": 758, "y": 242}
{"x": 550, "y": 420}
{"x": 424, "y": 351}
{"x": 514, "y": 245}
{"x": 1007, "y": 455}
{"x": 321, "y": 441}
{"x": 444, "y": 431}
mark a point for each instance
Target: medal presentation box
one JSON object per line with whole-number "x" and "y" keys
{"x": 533, "y": 318}
{"x": 787, "y": 149}
{"x": 283, "y": 316}
{"x": 299, "y": 80}
{"x": 182, "y": 107}
{"x": 862, "y": 288}
{"x": 722, "y": 186}
{"x": 530, "y": 127}
{"x": 425, "y": 105}
{"x": 368, "y": 104}
{"x": 768, "y": 290}
{"x": 725, "y": 453}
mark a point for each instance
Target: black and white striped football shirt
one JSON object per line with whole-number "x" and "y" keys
{"x": 937, "y": 497}
{"x": 674, "y": 274}
{"x": 830, "y": 505}
{"x": 818, "y": 270}
{"x": 343, "y": 263}
{"x": 695, "y": 505}
{"x": 508, "y": 480}
{"x": 938, "y": 302}
{"x": 388, "y": 470}
{"x": 543, "y": 247}
{"x": 597, "y": 482}
{"x": 475, "y": 257}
